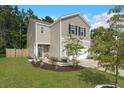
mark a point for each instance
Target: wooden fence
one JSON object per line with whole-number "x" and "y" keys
{"x": 17, "y": 52}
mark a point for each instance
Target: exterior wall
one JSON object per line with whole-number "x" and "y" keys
{"x": 55, "y": 41}
{"x": 42, "y": 38}
{"x": 77, "y": 21}
{"x": 31, "y": 38}
{"x": 54, "y": 36}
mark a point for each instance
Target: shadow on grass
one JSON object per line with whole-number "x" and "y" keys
{"x": 94, "y": 77}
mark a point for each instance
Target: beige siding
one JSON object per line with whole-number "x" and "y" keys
{"x": 77, "y": 21}
{"x": 55, "y": 40}
{"x": 43, "y": 38}
{"x": 31, "y": 38}
{"x": 54, "y": 36}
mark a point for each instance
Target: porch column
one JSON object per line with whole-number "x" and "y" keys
{"x": 36, "y": 50}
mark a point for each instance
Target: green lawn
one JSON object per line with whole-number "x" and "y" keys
{"x": 18, "y": 72}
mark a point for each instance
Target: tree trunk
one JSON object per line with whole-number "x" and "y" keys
{"x": 116, "y": 69}
{"x": 116, "y": 74}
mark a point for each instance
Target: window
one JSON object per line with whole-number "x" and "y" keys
{"x": 77, "y": 30}
{"x": 81, "y": 31}
{"x": 42, "y": 29}
{"x": 72, "y": 29}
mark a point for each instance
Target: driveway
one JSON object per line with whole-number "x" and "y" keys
{"x": 93, "y": 64}
{"x": 89, "y": 63}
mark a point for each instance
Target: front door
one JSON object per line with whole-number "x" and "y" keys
{"x": 40, "y": 51}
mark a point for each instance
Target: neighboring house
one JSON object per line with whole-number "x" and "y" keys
{"x": 49, "y": 39}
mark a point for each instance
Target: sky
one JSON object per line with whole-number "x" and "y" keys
{"x": 95, "y": 15}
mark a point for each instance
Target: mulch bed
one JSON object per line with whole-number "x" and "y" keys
{"x": 57, "y": 68}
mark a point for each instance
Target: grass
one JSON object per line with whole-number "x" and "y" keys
{"x": 18, "y": 72}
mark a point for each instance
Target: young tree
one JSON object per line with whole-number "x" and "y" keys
{"x": 108, "y": 45}
{"x": 116, "y": 23}
{"x": 73, "y": 48}
{"x": 103, "y": 47}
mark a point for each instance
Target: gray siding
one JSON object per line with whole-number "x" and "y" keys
{"x": 54, "y": 36}
{"x": 31, "y": 38}
{"x": 42, "y": 38}
{"x": 77, "y": 21}
{"x": 55, "y": 40}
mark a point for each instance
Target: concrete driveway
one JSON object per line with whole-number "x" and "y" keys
{"x": 93, "y": 64}
{"x": 89, "y": 63}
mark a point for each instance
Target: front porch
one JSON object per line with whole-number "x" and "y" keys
{"x": 42, "y": 50}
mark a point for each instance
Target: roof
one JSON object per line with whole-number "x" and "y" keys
{"x": 61, "y": 18}
{"x": 40, "y": 21}
{"x": 71, "y": 15}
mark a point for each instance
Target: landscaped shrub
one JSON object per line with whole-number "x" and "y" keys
{"x": 37, "y": 62}
{"x": 29, "y": 57}
{"x": 65, "y": 59}
{"x": 75, "y": 62}
{"x": 53, "y": 60}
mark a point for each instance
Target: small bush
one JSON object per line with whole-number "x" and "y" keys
{"x": 75, "y": 62}
{"x": 65, "y": 59}
{"x": 37, "y": 62}
{"x": 29, "y": 57}
{"x": 53, "y": 60}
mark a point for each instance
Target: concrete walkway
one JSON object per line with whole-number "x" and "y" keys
{"x": 93, "y": 64}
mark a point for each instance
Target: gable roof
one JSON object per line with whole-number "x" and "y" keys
{"x": 61, "y": 18}
{"x": 40, "y": 21}
{"x": 71, "y": 15}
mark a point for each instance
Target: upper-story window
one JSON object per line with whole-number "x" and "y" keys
{"x": 72, "y": 29}
{"x": 42, "y": 29}
{"x": 77, "y": 30}
{"x": 81, "y": 31}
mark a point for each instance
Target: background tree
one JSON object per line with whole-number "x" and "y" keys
{"x": 13, "y": 27}
{"x": 24, "y": 17}
{"x": 47, "y": 19}
{"x": 8, "y": 26}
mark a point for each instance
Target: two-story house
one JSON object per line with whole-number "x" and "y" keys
{"x": 49, "y": 39}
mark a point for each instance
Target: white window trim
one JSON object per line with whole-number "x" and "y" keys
{"x": 42, "y": 28}
{"x": 72, "y": 28}
{"x": 81, "y": 31}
